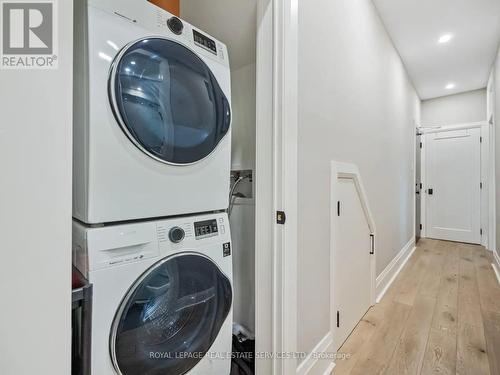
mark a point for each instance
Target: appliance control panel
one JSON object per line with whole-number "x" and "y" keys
{"x": 205, "y": 42}
{"x": 182, "y": 31}
{"x": 97, "y": 248}
{"x": 207, "y": 228}
{"x": 193, "y": 232}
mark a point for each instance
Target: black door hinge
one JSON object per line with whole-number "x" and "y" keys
{"x": 372, "y": 239}
{"x": 420, "y": 144}
{"x": 280, "y": 217}
{"x": 338, "y": 208}
{"x": 480, "y": 185}
{"x": 421, "y": 227}
{"x": 338, "y": 319}
{"x": 481, "y": 232}
{"x": 421, "y": 186}
{"x": 480, "y": 139}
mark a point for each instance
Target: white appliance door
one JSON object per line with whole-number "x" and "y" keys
{"x": 352, "y": 274}
{"x": 453, "y": 200}
{"x": 170, "y": 317}
{"x": 167, "y": 101}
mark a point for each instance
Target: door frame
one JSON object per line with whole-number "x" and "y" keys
{"x": 492, "y": 218}
{"x": 425, "y": 131}
{"x": 486, "y": 171}
{"x": 276, "y": 185}
{"x": 418, "y": 133}
{"x": 491, "y": 121}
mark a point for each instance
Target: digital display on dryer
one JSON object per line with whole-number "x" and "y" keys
{"x": 207, "y": 228}
{"x": 205, "y": 42}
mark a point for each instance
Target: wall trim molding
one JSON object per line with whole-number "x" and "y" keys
{"x": 389, "y": 274}
{"x": 313, "y": 364}
{"x": 496, "y": 265}
{"x": 448, "y": 128}
{"x": 329, "y": 369}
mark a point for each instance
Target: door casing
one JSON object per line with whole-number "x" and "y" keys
{"x": 276, "y": 185}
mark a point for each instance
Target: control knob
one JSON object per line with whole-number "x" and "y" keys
{"x": 175, "y": 25}
{"x": 176, "y": 234}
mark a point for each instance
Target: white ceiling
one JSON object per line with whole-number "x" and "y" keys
{"x": 415, "y": 27}
{"x": 233, "y": 22}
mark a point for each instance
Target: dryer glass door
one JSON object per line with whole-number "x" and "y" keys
{"x": 170, "y": 317}
{"x": 167, "y": 101}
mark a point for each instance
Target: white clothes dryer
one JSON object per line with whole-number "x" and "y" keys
{"x": 152, "y": 114}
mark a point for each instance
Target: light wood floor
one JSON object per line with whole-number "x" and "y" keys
{"x": 440, "y": 316}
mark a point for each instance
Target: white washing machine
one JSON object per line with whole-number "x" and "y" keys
{"x": 162, "y": 300}
{"x": 152, "y": 114}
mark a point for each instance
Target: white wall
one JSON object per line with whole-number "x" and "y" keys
{"x": 35, "y": 214}
{"x": 356, "y": 104}
{"x": 243, "y": 214}
{"x": 455, "y": 109}
{"x": 232, "y": 22}
{"x": 243, "y": 112}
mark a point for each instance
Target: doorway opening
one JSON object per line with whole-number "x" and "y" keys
{"x": 453, "y": 183}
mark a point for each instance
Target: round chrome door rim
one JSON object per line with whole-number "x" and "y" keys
{"x": 132, "y": 289}
{"x": 118, "y": 117}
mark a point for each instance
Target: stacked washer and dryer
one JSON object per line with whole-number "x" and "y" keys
{"x": 151, "y": 183}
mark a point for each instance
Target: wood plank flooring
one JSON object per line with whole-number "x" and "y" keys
{"x": 440, "y": 316}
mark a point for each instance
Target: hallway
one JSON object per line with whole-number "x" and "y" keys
{"x": 440, "y": 316}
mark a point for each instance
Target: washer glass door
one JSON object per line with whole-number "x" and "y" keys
{"x": 167, "y": 101}
{"x": 170, "y": 317}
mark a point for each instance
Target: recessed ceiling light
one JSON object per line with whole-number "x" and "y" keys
{"x": 450, "y": 86}
{"x": 445, "y": 38}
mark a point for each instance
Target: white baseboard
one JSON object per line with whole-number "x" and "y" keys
{"x": 329, "y": 369}
{"x": 496, "y": 265}
{"x": 313, "y": 364}
{"x": 385, "y": 279}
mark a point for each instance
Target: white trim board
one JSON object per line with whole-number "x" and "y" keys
{"x": 313, "y": 364}
{"x": 264, "y": 189}
{"x": 276, "y": 185}
{"x": 492, "y": 217}
{"x": 496, "y": 265}
{"x": 485, "y": 191}
{"x": 491, "y": 119}
{"x": 389, "y": 274}
{"x": 448, "y": 128}
{"x": 329, "y": 370}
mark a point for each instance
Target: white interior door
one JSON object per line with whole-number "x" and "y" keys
{"x": 352, "y": 259}
{"x": 453, "y": 201}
